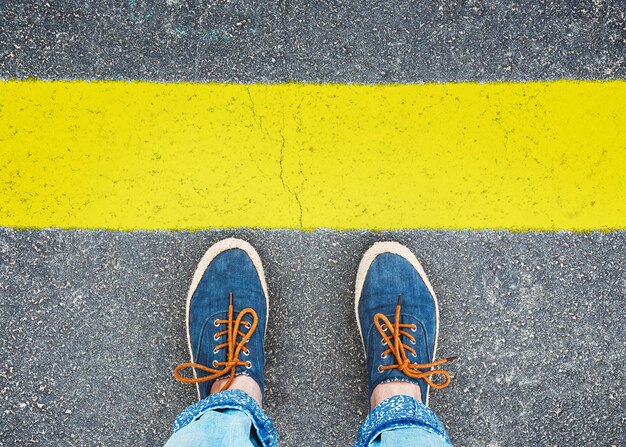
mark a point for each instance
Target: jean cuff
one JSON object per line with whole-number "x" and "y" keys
{"x": 399, "y": 412}
{"x": 231, "y": 400}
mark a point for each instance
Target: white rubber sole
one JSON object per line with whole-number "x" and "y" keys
{"x": 400, "y": 250}
{"x": 212, "y": 253}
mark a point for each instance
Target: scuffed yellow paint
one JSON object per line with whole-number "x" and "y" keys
{"x": 119, "y": 155}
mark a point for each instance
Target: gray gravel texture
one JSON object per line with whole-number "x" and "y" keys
{"x": 359, "y": 41}
{"x": 92, "y": 324}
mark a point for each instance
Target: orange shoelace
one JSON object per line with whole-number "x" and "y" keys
{"x": 397, "y": 348}
{"x": 234, "y": 348}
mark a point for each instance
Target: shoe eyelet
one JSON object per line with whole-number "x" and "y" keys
{"x": 215, "y": 337}
{"x": 382, "y": 340}
{"x": 215, "y": 323}
{"x": 383, "y": 356}
{"x": 248, "y": 364}
{"x": 414, "y": 328}
{"x": 380, "y": 369}
{"x": 246, "y": 353}
{"x": 412, "y": 342}
{"x": 214, "y": 363}
{"x": 215, "y": 351}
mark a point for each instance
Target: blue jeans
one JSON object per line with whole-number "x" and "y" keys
{"x": 232, "y": 418}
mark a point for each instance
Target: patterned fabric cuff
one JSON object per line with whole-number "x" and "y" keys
{"x": 399, "y": 412}
{"x": 232, "y": 400}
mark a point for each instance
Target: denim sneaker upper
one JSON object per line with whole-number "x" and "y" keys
{"x": 226, "y": 322}
{"x": 397, "y": 315}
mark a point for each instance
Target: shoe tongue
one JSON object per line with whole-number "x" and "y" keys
{"x": 205, "y": 354}
{"x": 394, "y": 374}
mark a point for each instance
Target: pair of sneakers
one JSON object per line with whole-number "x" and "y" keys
{"x": 228, "y": 307}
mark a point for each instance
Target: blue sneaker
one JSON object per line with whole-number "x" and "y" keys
{"x": 396, "y": 311}
{"x": 227, "y": 310}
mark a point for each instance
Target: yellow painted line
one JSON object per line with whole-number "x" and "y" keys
{"x": 118, "y": 155}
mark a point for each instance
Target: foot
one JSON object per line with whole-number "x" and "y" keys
{"x": 227, "y": 309}
{"x": 397, "y": 315}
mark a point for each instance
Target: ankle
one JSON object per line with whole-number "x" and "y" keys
{"x": 244, "y": 383}
{"x": 386, "y": 390}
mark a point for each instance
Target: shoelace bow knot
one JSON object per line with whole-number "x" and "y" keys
{"x": 397, "y": 348}
{"x": 229, "y": 366}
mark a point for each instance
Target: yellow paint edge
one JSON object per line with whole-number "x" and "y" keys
{"x": 539, "y": 156}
